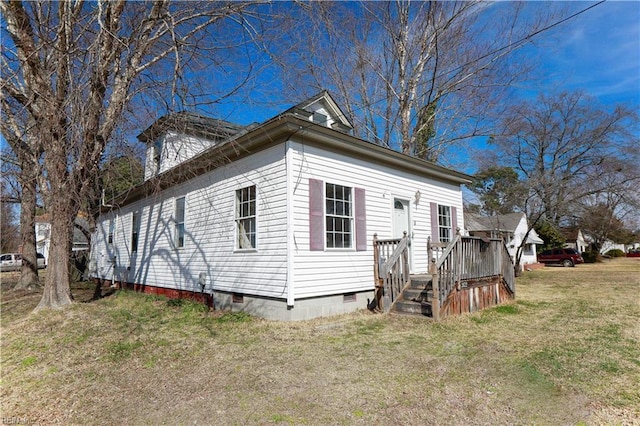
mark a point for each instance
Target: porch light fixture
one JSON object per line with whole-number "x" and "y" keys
{"x": 417, "y": 196}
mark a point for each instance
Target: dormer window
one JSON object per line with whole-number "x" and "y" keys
{"x": 319, "y": 118}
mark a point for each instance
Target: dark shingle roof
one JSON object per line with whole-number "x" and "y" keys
{"x": 191, "y": 124}
{"x": 506, "y": 222}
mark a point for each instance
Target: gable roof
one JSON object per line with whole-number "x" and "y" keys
{"x": 289, "y": 125}
{"x": 505, "y": 222}
{"x": 303, "y": 109}
{"x": 570, "y": 234}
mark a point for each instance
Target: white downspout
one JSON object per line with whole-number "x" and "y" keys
{"x": 288, "y": 159}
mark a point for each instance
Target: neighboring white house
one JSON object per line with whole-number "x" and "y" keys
{"x": 276, "y": 219}
{"x": 512, "y": 228}
{"x": 43, "y": 235}
{"x": 575, "y": 239}
{"x": 610, "y": 245}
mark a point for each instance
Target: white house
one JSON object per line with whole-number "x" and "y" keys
{"x": 43, "y": 235}
{"x": 512, "y": 228}
{"x": 575, "y": 239}
{"x": 610, "y": 245}
{"x": 275, "y": 219}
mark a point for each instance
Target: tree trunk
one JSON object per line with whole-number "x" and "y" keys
{"x": 29, "y": 271}
{"x": 57, "y": 291}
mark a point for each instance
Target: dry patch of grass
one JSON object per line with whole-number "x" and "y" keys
{"x": 567, "y": 351}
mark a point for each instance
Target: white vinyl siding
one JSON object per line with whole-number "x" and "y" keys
{"x": 210, "y": 224}
{"x": 210, "y": 243}
{"x": 172, "y": 149}
{"x": 320, "y": 273}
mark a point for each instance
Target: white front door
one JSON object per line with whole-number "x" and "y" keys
{"x": 401, "y": 222}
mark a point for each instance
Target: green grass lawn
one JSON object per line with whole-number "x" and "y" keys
{"x": 566, "y": 351}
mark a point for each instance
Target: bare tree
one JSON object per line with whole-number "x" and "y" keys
{"x": 566, "y": 148}
{"x": 10, "y": 230}
{"x": 72, "y": 69}
{"x": 24, "y": 164}
{"x": 416, "y": 76}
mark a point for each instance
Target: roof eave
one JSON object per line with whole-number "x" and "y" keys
{"x": 278, "y": 130}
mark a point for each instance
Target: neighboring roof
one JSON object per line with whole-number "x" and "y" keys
{"x": 506, "y": 222}
{"x": 191, "y": 124}
{"x": 534, "y": 238}
{"x": 43, "y": 218}
{"x": 289, "y": 125}
{"x": 570, "y": 234}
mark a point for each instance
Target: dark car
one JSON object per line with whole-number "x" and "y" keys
{"x": 561, "y": 256}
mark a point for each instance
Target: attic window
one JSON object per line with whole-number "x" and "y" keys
{"x": 320, "y": 118}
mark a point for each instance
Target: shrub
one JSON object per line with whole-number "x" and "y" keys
{"x": 615, "y": 253}
{"x": 590, "y": 256}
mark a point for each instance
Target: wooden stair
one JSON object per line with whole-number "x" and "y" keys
{"x": 416, "y": 298}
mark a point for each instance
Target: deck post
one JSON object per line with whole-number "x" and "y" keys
{"x": 376, "y": 272}
{"x": 435, "y": 303}
{"x": 405, "y": 258}
{"x": 376, "y": 260}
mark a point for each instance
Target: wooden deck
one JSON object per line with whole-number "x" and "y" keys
{"x": 466, "y": 275}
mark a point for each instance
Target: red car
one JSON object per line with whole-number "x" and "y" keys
{"x": 561, "y": 256}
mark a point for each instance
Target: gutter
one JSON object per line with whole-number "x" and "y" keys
{"x": 278, "y": 130}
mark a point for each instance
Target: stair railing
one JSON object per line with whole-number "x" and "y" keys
{"x": 468, "y": 258}
{"x": 446, "y": 273}
{"x": 391, "y": 269}
{"x": 508, "y": 270}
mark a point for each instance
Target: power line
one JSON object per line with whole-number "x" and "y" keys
{"x": 495, "y": 51}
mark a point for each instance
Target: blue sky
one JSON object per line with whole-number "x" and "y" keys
{"x": 597, "y": 51}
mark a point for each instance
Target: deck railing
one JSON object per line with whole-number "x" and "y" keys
{"x": 391, "y": 269}
{"x": 468, "y": 258}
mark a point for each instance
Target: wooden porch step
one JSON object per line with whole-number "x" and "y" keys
{"x": 416, "y": 299}
{"x": 417, "y": 294}
{"x": 413, "y": 308}
{"x": 421, "y": 281}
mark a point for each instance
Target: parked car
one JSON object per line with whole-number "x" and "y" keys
{"x": 561, "y": 256}
{"x": 13, "y": 261}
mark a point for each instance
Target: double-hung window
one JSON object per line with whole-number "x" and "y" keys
{"x": 246, "y": 218}
{"x": 135, "y": 230}
{"x": 179, "y": 218}
{"x": 444, "y": 223}
{"x": 112, "y": 228}
{"x": 339, "y": 216}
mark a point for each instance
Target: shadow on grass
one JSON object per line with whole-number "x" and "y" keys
{"x": 99, "y": 292}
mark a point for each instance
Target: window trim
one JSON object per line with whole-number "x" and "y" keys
{"x": 446, "y": 226}
{"x": 252, "y": 218}
{"x": 351, "y": 218}
{"x": 176, "y": 228}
